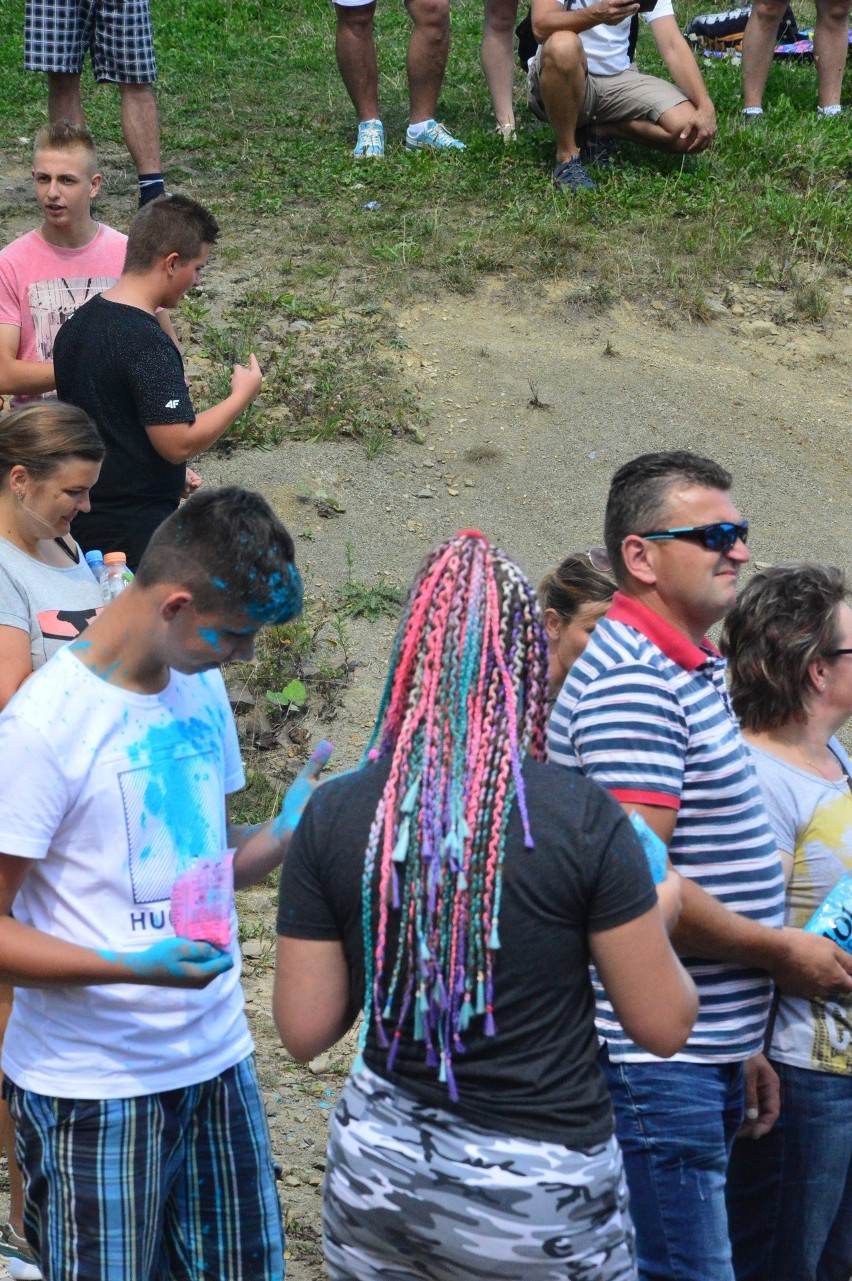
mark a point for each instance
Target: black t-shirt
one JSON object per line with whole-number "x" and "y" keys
{"x": 537, "y": 1077}
{"x": 116, "y": 362}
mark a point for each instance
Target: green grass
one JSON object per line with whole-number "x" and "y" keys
{"x": 257, "y": 123}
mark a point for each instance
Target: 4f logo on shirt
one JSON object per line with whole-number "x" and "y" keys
{"x": 172, "y": 404}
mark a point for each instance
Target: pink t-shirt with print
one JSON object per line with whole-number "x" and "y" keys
{"x": 41, "y": 285}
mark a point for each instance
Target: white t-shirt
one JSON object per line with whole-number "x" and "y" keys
{"x": 812, "y": 820}
{"x": 112, "y": 794}
{"x": 606, "y": 47}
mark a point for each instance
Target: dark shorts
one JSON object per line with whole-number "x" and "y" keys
{"x": 630, "y": 95}
{"x": 170, "y": 1187}
{"x": 117, "y": 33}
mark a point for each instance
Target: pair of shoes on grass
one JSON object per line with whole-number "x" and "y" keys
{"x": 432, "y": 137}
{"x": 17, "y": 1255}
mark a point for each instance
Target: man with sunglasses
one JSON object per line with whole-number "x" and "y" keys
{"x": 645, "y": 711}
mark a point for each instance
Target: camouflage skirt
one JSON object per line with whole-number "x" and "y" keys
{"x": 414, "y": 1194}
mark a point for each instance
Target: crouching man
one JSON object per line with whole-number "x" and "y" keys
{"x": 583, "y": 78}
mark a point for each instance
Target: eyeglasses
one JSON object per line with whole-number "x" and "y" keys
{"x": 598, "y": 558}
{"x": 834, "y": 653}
{"x": 716, "y": 538}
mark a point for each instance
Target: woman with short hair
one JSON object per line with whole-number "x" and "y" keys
{"x": 788, "y": 641}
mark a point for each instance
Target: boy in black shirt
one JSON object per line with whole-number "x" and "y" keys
{"x": 113, "y": 360}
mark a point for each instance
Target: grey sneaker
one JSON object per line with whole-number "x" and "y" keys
{"x": 570, "y": 175}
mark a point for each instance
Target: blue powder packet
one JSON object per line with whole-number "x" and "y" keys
{"x": 654, "y": 847}
{"x": 833, "y": 917}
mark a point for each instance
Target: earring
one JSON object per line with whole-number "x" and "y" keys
{"x": 19, "y": 495}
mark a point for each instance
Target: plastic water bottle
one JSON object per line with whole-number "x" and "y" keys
{"x": 95, "y": 561}
{"x": 117, "y": 575}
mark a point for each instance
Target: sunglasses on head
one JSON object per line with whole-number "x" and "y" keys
{"x": 716, "y": 538}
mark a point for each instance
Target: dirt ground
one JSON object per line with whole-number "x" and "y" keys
{"x": 532, "y": 399}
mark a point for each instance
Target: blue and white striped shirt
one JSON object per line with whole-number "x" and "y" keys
{"x": 646, "y": 713}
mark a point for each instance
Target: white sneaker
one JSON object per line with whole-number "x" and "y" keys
{"x": 371, "y": 141}
{"x": 18, "y": 1256}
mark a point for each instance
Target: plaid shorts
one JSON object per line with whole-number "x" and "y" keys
{"x": 176, "y": 1186}
{"x": 118, "y": 34}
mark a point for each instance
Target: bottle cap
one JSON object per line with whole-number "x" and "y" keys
{"x": 115, "y": 558}
{"x": 93, "y": 556}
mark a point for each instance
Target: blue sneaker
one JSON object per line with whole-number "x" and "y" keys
{"x": 371, "y": 140}
{"x": 571, "y": 176}
{"x": 434, "y": 137}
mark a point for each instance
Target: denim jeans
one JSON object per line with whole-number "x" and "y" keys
{"x": 676, "y": 1123}
{"x": 790, "y": 1193}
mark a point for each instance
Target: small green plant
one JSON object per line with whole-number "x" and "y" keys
{"x": 370, "y": 601}
{"x": 294, "y": 694}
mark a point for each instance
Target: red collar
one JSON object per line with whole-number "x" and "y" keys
{"x": 674, "y": 644}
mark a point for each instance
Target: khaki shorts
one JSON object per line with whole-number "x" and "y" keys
{"x": 626, "y": 96}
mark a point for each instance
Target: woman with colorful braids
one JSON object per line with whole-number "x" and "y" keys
{"x": 456, "y": 888}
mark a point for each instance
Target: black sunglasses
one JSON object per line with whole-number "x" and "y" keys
{"x": 716, "y": 538}
{"x": 833, "y": 653}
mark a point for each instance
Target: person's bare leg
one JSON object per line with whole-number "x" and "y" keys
{"x": 63, "y": 99}
{"x": 356, "y": 58}
{"x": 662, "y": 135}
{"x": 831, "y": 43}
{"x": 758, "y": 44}
{"x": 427, "y": 55}
{"x": 498, "y": 56}
{"x": 141, "y": 126}
{"x": 563, "y": 86}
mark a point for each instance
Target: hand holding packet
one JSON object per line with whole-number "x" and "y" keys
{"x": 833, "y": 917}
{"x": 202, "y": 899}
{"x": 654, "y": 846}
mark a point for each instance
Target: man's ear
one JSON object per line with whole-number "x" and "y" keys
{"x": 638, "y": 555}
{"x": 95, "y": 184}
{"x": 171, "y": 262}
{"x": 172, "y": 605}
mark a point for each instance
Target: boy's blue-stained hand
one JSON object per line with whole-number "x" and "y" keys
{"x": 299, "y": 792}
{"x": 174, "y": 963}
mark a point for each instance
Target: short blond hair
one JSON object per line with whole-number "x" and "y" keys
{"x": 62, "y": 135}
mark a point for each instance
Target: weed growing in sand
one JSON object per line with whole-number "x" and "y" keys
{"x": 367, "y": 600}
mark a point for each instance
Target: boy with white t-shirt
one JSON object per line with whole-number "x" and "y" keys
{"x": 46, "y": 274}
{"x": 583, "y": 75}
{"x": 128, "y": 1060}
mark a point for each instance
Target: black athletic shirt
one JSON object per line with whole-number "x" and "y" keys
{"x": 537, "y": 1077}
{"x": 116, "y": 362}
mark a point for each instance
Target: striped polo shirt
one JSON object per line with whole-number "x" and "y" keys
{"x": 646, "y": 713}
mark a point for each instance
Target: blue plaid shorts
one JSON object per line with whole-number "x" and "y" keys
{"x": 176, "y": 1186}
{"x": 118, "y": 34}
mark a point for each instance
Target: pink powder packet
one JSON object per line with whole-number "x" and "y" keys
{"x": 202, "y": 899}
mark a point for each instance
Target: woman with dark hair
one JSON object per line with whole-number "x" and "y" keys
{"x": 50, "y": 456}
{"x": 574, "y": 597}
{"x": 789, "y": 646}
{"x": 456, "y": 887}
